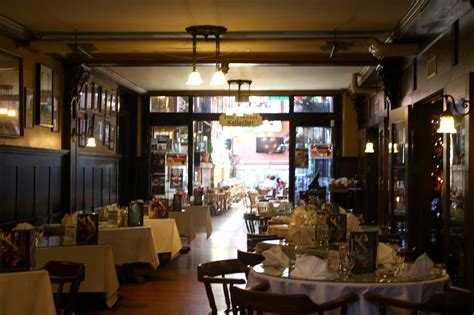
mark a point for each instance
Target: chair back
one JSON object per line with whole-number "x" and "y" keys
{"x": 251, "y": 222}
{"x": 253, "y": 239}
{"x": 253, "y": 300}
{"x": 215, "y": 272}
{"x": 453, "y": 301}
{"x": 249, "y": 259}
{"x": 63, "y": 273}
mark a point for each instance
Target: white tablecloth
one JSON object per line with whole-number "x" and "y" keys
{"x": 185, "y": 223}
{"x": 280, "y": 230}
{"x": 201, "y": 218}
{"x": 26, "y": 293}
{"x": 165, "y": 235}
{"x": 131, "y": 244}
{"x": 324, "y": 291}
{"x": 100, "y": 267}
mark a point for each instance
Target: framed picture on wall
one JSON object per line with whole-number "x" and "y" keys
{"x": 96, "y": 97}
{"x": 98, "y": 127}
{"x": 29, "y": 99}
{"x": 82, "y": 98}
{"x": 56, "y": 114}
{"x": 89, "y": 90}
{"x": 44, "y": 95}
{"x": 103, "y": 100}
{"x": 11, "y": 112}
{"x": 112, "y": 138}
{"x": 113, "y": 104}
{"x": 106, "y": 133}
{"x": 82, "y": 134}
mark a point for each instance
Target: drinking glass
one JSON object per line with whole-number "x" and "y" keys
{"x": 300, "y": 251}
{"x": 348, "y": 262}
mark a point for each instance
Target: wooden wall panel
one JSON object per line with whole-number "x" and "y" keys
{"x": 99, "y": 183}
{"x": 31, "y": 185}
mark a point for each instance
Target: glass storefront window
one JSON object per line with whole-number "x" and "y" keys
{"x": 169, "y": 104}
{"x": 313, "y": 158}
{"x": 258, "y": 104}
{"x": 314, "y": 104}
{"x": 168, "y": 161}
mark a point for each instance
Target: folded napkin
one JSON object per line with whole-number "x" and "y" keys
{"x": 300, "y": 235}
{"x": 421, "y": 268}
{"x": 24, "y": 226}
{"x": 275, "y": 257}
{"x": 385, "y": 254}
{"x": 311, "y": 267}
{"x": 353, "y": 224}
{"x": 69, "y": 219}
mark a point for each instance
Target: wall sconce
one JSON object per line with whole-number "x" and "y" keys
{"x": 91, "y": 140}
{"x": 73, "y": 135}
{"x": 446, "y": 121}
{"x": 369, "y": 147}
{"x": 218, "y": 77}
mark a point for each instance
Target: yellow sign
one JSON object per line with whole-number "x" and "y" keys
{"x": 251, "y": 120}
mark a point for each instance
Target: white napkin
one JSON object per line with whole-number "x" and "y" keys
{"x": 385, "y": 254}
{"x": 353, "y": 224}
{"x": 421, "y": 268}
{"x": 69, "y": 219}
{"x": 275, "y": 257}
{"x": 24, "y": 226}
{"x": 310, "y": 267}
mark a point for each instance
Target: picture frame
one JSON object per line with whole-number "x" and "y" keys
{"x": 337, "y": 228}
{"x": 98, "y": 122}
{"x": 96, "y": 90}
{"x": 44, "y": 95}
{"x": 11, "y": 93}
{"x": 17, "y": 250}
{"x": 103, "y": 100}
{"x": 82, "y": 122}
{"x": 113, "y": 104}
{"x": 56, "y": 119}
{"x": 106, "y": 133}
{"x": 108, "y": 102}
{"x": 83, "y": 98}
{"x": 87, "y": 229}
{"x": 29, "y": 106}
{"x": 364, "y": 246}
{"x": 112, "y": 138}
{"x": 89, "y": 96}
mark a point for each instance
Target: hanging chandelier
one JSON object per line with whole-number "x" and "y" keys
{"x": 239, "y": 112}
{"x": 218, "y": 78}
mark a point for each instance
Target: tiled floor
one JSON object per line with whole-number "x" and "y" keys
{"x": 174, "y": 288}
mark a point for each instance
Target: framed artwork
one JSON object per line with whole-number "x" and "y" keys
{"x": 87, "y": 229}
{"x": 82, "y": 98}
{"x": 106, "y": 133}
{"x": 113, "y": 104}
{"x": 364, "y": 247}
{"x": 108, "y": 103}
{"x": 29, "y": 107}
{"x": 89, "y": 96}
{"x": 55, "y": 114}
{"x": 95, "y": 97}
{"x": 82, "y": 134}
{"x": 44, "y": 95}
{"x": 98, "y": 122}
{"x": 112, "y": 138}
{"x": 301, "y": 158}
{"x": 176, "y": 177}
{"x": 103, "y": 100}
{"x": 11, "y": 111}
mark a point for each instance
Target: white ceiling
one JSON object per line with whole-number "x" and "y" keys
{"x": 298, "y": 29}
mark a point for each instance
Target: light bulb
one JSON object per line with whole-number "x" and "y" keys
{"x": 446, "y": 124}
{"x": 194, "y": 78}
{"x": 11, "y": 113}
{"x": 218, "y": 78}
{"x": 91, "y": 142}
{"x": 3, "y": 111}
{"x": 369, "y": 147}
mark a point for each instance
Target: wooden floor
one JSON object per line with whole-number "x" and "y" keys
{"x": 174, "y": 288}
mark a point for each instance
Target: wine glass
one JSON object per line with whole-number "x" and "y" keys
{"x": 300, "y": 251}
{"x": 348, "y": 263}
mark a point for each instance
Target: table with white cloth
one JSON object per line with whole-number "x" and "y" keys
{"x": 26, "y": 293}
{"x": 201, "y": 219}
{"x": 100, "y": 266}
{"x": 185, "y": 224}
{"x": 280, "y": 230}
{"x": 165, "y": 235}
{"x": 131, "y": 244}
{"x": 321, "y": 291}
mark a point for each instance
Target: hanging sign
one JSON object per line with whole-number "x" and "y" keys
{"x": 250, "y": 120}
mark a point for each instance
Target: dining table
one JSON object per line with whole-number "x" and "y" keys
{"x": 201, "y": 218}
{"x": 134, "y": 244}
{"x": 325, "y": 289}
{"x": 101, "y": 276}
{"x": 165, "y": 235}
{"x": 26, "y": 293}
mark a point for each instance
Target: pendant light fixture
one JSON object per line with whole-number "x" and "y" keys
{"x": 91, "y": 140}
{"x": 218, "y": 78}
{"x": 369, "y": 147}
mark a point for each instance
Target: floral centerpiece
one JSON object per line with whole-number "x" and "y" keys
{"x": 342, "y": 183}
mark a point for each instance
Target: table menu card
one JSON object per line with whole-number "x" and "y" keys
{"x": 364, "y": 247}
{"x": 18, "y": 250}
{"x": 87, "y": 229}
{"x": 337, "y": 228}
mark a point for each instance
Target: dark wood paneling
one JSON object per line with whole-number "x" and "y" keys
{"x": 97, "y": 180}
{"x": 31, "y": 185}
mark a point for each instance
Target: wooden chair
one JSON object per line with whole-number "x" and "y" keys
{"x": 249, "y": 259}
{"x": 215, "y": 272}
{"x": 256, "y": 223}
{"x": 453, "y": 301}
{"x": 253, "y": 239}
{"x": 63, "y": 273}
{"x": 254, "y": 299}
{"x": 253, "y": 200}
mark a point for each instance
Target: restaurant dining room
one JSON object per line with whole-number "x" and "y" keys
{"x": 236, "y": 157}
